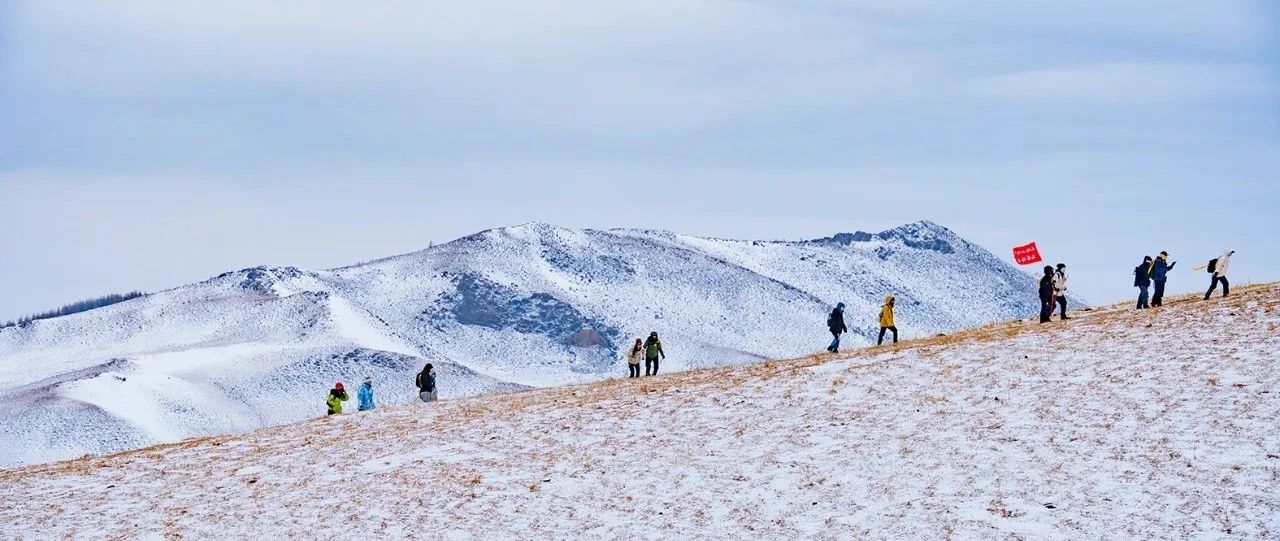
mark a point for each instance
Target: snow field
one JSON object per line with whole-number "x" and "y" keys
{"x": 1154, "y": 425}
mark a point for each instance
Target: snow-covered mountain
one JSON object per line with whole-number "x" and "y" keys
{"x": 533, "y": 305}
{"x": 1119, "y": 424}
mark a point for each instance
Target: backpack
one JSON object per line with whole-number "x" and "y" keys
{"x": 836, "y": 320}
{"x": 1213, "y": 265}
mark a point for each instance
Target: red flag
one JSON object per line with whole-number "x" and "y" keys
{"x": 1026, "y": 255}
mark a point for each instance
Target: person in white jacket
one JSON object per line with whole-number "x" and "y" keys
{"x": 1060, "y": 287}
{"x": 1219, "y": 272}
{"x": 633, "y": 359}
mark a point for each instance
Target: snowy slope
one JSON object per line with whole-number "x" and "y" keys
{"x": 533, "y": 305}
{"x": 1118, "y": 425}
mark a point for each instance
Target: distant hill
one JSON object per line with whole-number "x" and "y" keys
{"x": 510, "y": 308}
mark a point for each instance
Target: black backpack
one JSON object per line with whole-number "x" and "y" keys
{"x": 1213, "y": 265}
{"x": 834, "y": 320}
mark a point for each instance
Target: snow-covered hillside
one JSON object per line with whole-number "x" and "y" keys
{"x": 1158, "y": 424}
{"x": 509, "y": 308}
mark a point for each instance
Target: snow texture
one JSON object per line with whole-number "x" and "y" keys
{"x": 505, "y": 309}
{"x": 1119, "y": 424}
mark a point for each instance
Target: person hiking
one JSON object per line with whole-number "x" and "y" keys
{"x": 652, "y": 352}
{"x": 1060, "y": 287}
{"x": 1218, "y": 268}
{"x": 1159, "y": 275}
{"x": 1142, "y": 281}
{"x": 426, "y": 383}
{"x": 835, "y": 322}
{"x": 365, "y": 395}
{"x": 337, "y": 396}
{"x": 633, "y": 359}
{"x": 1046, "y": 295}
{"x": 886, "y": 320}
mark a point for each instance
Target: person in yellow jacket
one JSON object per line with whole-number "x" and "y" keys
{"x": 337, "y": 396}
{"x": 886, "y": 320}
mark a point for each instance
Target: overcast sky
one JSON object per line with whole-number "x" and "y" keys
{"x": 149, "y": 144}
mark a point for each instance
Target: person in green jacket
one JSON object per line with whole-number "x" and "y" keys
{"x": 337, "y": 396}
{"x": 652, "y": 352}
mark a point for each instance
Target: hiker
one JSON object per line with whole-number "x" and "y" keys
{"x": 652, "y": 352}
{"x": 426, "y": 383}
{"x": 1159, "y": 274}
{"x": 1060, "y": 288}
{"x": 1046, "y": 295}
{"x": 365, "y": 394}
{"x": 337, "y": 396}
{"x": 1142, "y": 281}
{"x": 886, "y": 320}
{"x": 1218, "y": 268}
{"x": 633, "y": 359}
{"x": 835, "y": 322}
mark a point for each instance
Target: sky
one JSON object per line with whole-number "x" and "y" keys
{"x": 150, "y": 144}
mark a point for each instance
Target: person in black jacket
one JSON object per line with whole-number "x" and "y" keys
{"x": 835, "y": 322}
{"x": 1046, "y": 295}
{"x": 1142, "y": 281}
{"x": 426, "y": 383}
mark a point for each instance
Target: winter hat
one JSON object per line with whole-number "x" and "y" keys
{"x": 1146, "y": 258}
{"x": 368, "y": 379}
{"x": 1164, "y": 253}
{"x": 840, "y": 305}
{"x": 1062, "y": 266}
{"x": 338, "y": 385}
{"x": 1048, "y": 269}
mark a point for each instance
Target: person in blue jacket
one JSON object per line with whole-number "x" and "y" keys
{"x": 365, "y": 396}
{"x": 1159, "y": 274}
{"x": 1142, "y": 281}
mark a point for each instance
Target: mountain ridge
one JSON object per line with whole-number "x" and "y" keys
{"x": 507, "y": 308}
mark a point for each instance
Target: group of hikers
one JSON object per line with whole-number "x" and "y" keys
{"x": 1155, "y": 272}
{"x": 425, "y": 381}
{"x": 1152, "y": 271}
{"x": 1052, "y": 291}
{"x": 837, "y": 326}
{"x": 651, "y": 348}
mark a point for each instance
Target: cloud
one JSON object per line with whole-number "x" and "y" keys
{"x": 1132, "y": 84}
{"x": 316, "y": 133}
